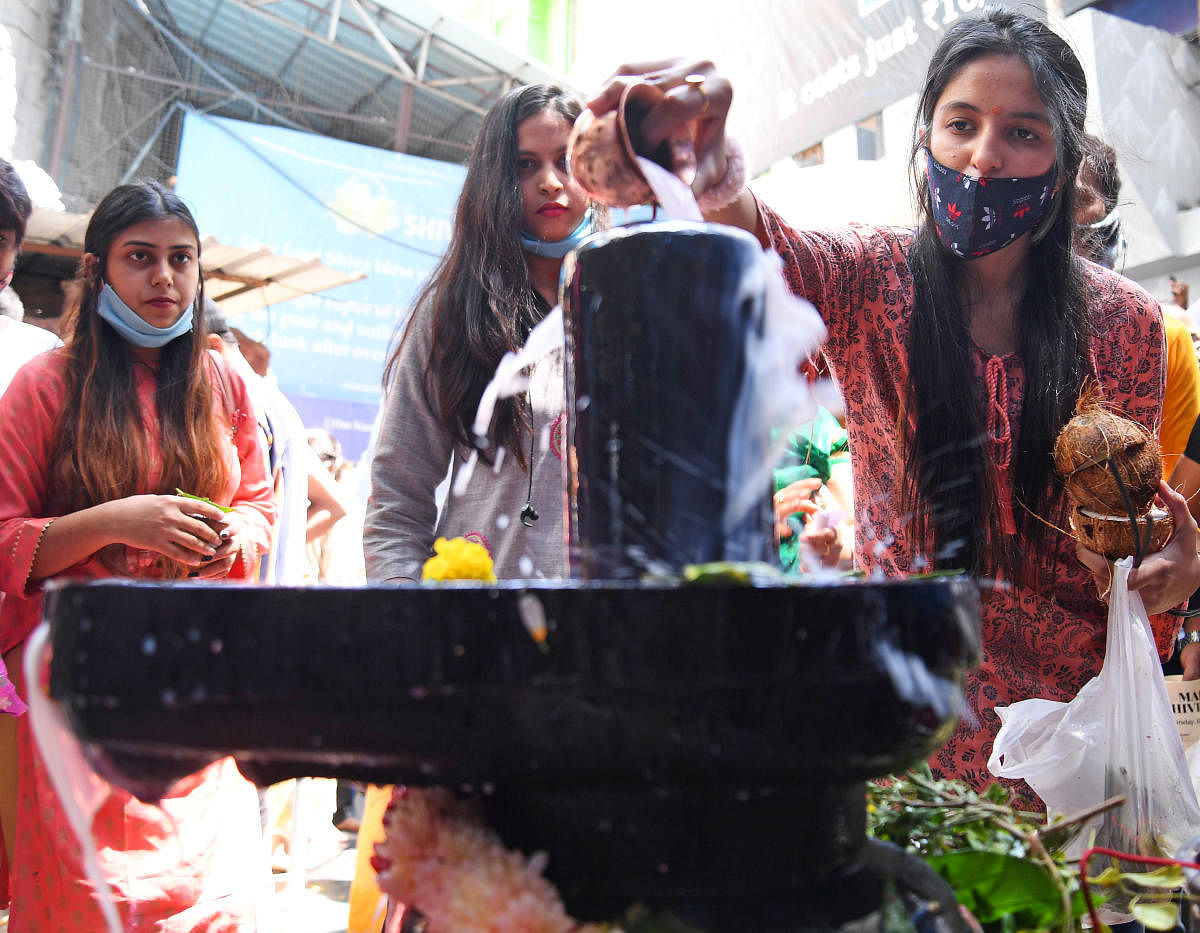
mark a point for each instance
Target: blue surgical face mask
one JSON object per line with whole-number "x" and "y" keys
{"x": 977, "y": 216}
{"x": 557, "y": 249}
{"x": 132, "y": 327}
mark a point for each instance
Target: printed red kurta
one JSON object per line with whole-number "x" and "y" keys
{"x": 139, "y": 845}
{"x": 1045, "y": 641}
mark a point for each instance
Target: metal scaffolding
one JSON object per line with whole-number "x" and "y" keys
{"x": 392, "y": 74}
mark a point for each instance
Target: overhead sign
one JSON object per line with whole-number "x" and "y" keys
{"x": 357, "y": 208}
{"x": 826, "y": 64}
{"x": 1178, "y": 17}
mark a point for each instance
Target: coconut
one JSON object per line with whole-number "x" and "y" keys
{"x": 1113, "y": 535}
{"x": 1084, "y": 449}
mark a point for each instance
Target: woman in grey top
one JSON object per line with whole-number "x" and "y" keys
{"x": 519, "y": 214}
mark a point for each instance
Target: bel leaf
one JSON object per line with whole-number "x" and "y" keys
{"x": 1168, "y": 878}
{"x": 994, "y": 886}
{"x": 1155, "y": 915}
{"x": 188, "y": 495}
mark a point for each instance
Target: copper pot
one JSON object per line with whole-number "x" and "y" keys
{"x": 603, "y": 150}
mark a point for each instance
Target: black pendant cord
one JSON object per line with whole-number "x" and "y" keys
{"x": 529, "y": 515}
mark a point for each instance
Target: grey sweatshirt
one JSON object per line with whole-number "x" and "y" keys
{"x": 413, "y": 452}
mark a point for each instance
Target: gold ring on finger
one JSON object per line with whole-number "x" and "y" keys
{"x": 696, "y": 82}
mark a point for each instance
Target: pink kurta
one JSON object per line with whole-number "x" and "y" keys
{"x": 1043, "y": 642}
{"x": 139, "y": 845}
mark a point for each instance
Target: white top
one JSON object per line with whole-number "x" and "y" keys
{"x": 19, "y": 343}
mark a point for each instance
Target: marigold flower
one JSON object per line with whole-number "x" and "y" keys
{"x": 459, "y": 559}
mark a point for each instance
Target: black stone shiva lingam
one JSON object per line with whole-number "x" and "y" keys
{"x": 697, "y": 748}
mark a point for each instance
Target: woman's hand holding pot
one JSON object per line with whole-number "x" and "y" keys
{"x": 687, "y": 113}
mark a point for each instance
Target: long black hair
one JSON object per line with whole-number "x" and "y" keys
{"x": 480, "y": 294}
{"x": 950, "y": 485}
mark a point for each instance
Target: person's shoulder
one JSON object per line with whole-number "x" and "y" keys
{"x": 896, "y": 242}
{"x": 40, "y": 375}
{"x": 1108, "y": 293}
{"x": 229, "y": 387}
{"x": 414, "y": 335}
{"x": 856, "y": 238}
{"x": 882, "y": 232}
{"x": 46, "y": 362}
{"x": 27, "y": 336}
{"x": 1178, "y": 330}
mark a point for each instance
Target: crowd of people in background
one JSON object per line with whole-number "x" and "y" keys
{"x": 938, "y": 337}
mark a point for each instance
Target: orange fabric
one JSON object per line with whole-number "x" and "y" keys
{"x": 368, "y": 904}
{"x": 1181, "y": 402}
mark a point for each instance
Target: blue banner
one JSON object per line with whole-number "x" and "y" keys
{"x": 354, "y": 207}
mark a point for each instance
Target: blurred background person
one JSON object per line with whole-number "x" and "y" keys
{"x": 19, "y": 342}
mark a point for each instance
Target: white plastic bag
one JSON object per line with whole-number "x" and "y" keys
{"x": 1118, "y": 736}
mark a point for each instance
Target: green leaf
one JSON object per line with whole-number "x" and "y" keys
{"x": 1168, "y": 877}
{"x": 188, "y": 495}
{"x": 1155, "y": 915}
{"x": 994, "y": 886}
{"x": 738, "y": 572}
{"x": 1107, "y": 878}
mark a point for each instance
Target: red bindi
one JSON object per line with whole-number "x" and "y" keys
{"x": 996, "y": 111}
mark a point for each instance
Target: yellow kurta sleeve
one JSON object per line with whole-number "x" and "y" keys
{"x": 1181, "y": 401}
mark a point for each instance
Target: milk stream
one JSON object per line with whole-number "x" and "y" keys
{"x": 78, "y": 788}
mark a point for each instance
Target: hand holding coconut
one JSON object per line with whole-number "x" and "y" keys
{"x": 1167, "y": 578}
{"x": 1112, "y": 469}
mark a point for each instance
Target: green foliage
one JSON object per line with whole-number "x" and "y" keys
{"x": 1151, "y": 896}
{"x": 1005, "y": 865}
{"x": 1161, "y": 914}
{"x": 733, "y": 572}
{"x": 998, "y": 888}
{"x": 991, "y": 853}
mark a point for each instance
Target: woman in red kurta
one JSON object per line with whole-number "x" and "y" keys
{"x": 96, "y": 437}
{"x": 962, "y": 349}
{"x": 1042, "y": 637}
